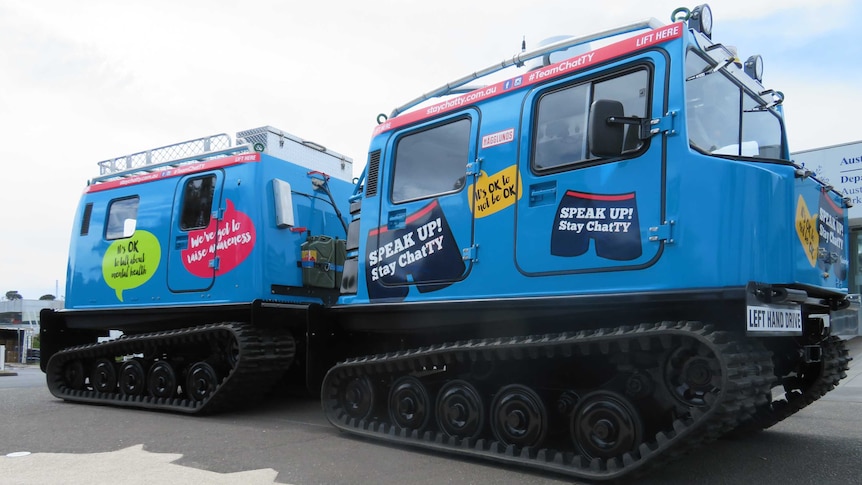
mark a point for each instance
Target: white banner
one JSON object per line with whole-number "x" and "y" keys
{"x": 841, "y": 167}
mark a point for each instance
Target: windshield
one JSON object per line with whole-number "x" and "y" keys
{"x": 723, "y": 118}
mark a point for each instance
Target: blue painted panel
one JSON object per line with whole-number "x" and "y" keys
{"x": 418, "y": 240}
{"x": 253, "y": 252}
{"x": 192, "y": 251}
{"x": 703, "y": 222}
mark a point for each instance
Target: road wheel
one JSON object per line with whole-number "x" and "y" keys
{"x": 74, "y": 374}
{"x": 201, "y": 381}
{"x": 409, "y": 404}
{"x": 132, "y": 378}
{"x": 460, "y": 411}
{"x": 104, "y": 376}
{"x": 162, "y": 380}
{"x": 605, "y": 424}
{"x": 519, "y": 417}
{"x": 358, "y": 397}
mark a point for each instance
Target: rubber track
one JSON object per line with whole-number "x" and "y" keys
{"x": 746, "y": 376}
{"x": 263, "y": 356}
{"x": 835, "y": 360}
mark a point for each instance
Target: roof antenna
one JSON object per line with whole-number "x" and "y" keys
{"x": 523, "y": 49}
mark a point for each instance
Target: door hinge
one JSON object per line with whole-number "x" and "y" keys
{"x": 665, "y": 124}
{"x": 471, "y": 253}
{"x": 475, "y": 167}
{"x": 663, "y": 232}
{"x": 218, "y": 214}
{"x": 213, "y": 263}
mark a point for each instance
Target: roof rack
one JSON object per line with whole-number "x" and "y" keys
{"x": 521, "y": 57}
{"x": 190, "y": 151}
{"x": 145, "y": 160}
{"x": 266, "y": 139}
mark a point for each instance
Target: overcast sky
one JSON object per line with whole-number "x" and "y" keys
{"x": 90, "y": 80}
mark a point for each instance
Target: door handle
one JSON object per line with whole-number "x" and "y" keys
{"x": 397, "y": 219}
{"x": 544, "y": 193}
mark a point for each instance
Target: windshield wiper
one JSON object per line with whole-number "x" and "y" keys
{"x": 711, "y": 69}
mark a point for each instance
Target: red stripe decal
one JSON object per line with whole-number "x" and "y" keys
{"x": 562, "y": 68}
{"x": 413, "y": 217}
{"x": 832, "y": 202}
{"x": 169, "y": 172}
{"x": 608, "y": 198}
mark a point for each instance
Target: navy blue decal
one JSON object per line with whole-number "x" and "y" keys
{"x": 610, "y": 220}
{"x": 831, "y": 228}
{"x": 424, "y": 252}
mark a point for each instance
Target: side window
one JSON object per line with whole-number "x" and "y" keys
{"x": 197, "y": 203}
{"x": 561, "y": 118}
{"x": 431, "y": 162}
{"x": 122, "y": 218}
{"x": 561, "y": 136}
{"x": 631, "y": 90}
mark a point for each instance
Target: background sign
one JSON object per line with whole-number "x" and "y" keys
{"x": 841, "y": 167}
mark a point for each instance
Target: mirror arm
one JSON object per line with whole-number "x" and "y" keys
{"x": 644, "y": 124}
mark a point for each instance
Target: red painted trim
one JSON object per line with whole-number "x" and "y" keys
{"x": 562, "y": 68}
{"x": 413, "y": 217}
{"x": 606, "y": 198}
{"x": 169, "y": 172}
{"x": 828, "y": 198}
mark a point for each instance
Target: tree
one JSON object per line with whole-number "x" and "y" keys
{"x": 13, "y": 295}
{"x": 48, "y": 297}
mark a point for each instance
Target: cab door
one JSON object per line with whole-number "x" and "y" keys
{"x": 193, "y": 254}
{"x": 425, "y": 221}
{"x": 583, "y": 213}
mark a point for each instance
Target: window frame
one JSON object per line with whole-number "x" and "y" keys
{"x": 589, "y": 159}
{"x": 744, "y": 95}
{"x": 112, "y": 233}
{"x": 462, "y": 166}
{"x": 185, "y": 198}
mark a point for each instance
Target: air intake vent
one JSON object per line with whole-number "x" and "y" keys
{"x": 85, "y": 221}
{"x": 373, "y": 173}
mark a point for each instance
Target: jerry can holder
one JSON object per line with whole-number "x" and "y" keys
{"x": 322, "y": 261}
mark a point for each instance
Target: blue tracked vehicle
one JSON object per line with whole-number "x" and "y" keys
{"x": 597, "y": 259}
{"x": 200, "y": 262}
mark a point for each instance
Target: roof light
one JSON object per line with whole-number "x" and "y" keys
{"x": 701, "y": 20}
{"x": 754, "y": 67}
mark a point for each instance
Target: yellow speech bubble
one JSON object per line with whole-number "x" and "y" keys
{"x": 129, "y": 263}
{"x": 494, "y": 193}
{"x": 806, "y": 229}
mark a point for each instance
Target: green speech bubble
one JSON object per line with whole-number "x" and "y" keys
{"x": 129, "y": 263}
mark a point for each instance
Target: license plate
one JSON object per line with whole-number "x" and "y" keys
{"x": 774, "y": 320}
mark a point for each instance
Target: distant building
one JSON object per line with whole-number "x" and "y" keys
{"x": 19, "y": 323}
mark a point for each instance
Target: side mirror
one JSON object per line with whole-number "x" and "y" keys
{"x": 606, "y": 139}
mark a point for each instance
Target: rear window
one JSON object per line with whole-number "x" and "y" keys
{"x": 122, "y": 218}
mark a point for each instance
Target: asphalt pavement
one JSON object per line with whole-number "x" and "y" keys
{"x": 288, "y": 440}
